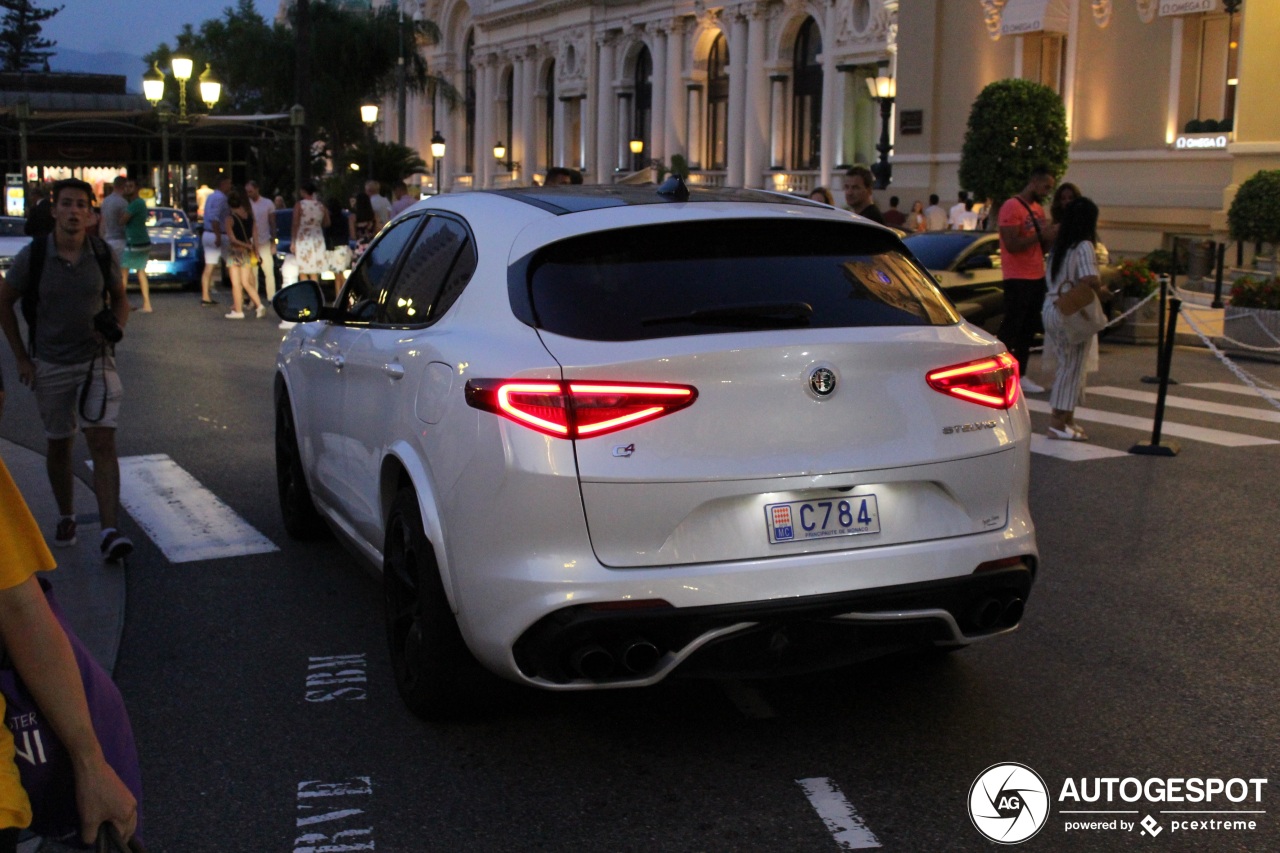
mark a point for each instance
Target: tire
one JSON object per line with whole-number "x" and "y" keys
{"x": 301, "y": 518}
{"x": 436, "y": 675}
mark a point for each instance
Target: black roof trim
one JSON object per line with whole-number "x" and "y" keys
{"x": 564, "y": 199}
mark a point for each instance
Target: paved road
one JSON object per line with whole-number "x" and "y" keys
{"x": 1148, "y": 650}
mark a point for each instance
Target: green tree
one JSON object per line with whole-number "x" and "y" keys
{"x": 1014, "y": 126}
{"x": 21, "y": 47}
{"x": 1254, "y": 215}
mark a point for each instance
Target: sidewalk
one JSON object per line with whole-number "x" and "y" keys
{"x": 91, "y": 592}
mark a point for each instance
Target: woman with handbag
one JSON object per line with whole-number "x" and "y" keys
{"x": 1073, "y": 314}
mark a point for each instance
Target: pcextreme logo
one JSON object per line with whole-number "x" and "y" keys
{"x": 1009, "y": 803}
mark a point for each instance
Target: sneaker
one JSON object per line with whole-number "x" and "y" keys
{"x": 115, "y": 546}
{"x": 65, "y": 535}
{"x": 287, "y": 324}
{"x": 260, "y": 312}
{"x": 234, "y": 315}
{"x": 1029, "y": 386}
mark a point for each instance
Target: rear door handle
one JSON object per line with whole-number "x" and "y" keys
{"x": 395, "y": 370}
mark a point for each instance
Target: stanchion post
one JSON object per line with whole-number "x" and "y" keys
{"x": 1217, "y": 280}
{"x": 1154, "y": 447}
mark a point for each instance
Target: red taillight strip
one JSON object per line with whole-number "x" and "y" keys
{"x": 568, "y": 407}
{"x": 991, "y": 382}
{"x": 504, "y": 402}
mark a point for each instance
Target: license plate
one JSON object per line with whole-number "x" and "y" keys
{"x": 800, "y": 521}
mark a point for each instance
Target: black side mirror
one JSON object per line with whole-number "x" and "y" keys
{"x": 299, "y": 303}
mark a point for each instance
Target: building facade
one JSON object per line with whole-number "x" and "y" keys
{"x": 1167, "y": 100}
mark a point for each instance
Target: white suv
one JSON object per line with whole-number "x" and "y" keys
{"x": 595, "y": 436}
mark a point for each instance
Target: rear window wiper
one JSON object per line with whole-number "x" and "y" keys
{"x": 759, "y": 315}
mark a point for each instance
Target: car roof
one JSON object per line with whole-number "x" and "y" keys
{"x": 562, "y": 199}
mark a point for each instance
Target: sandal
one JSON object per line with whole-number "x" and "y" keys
{"x": 1065, "y": 434}
{"x": 1080, "y": 434}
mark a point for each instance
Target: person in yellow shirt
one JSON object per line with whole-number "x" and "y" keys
{"x": 42, "y": 656}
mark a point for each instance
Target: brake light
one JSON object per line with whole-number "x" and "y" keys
{"x": 991, "y": 382}
{"x": 578, "y": 409}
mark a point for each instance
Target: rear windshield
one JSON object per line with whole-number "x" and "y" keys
{"x": 698, "y": 278}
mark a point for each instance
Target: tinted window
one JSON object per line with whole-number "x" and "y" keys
{"x": 426, "y": 270}
{"x": 710, "y": 277}
{"x": 366, "y": 281}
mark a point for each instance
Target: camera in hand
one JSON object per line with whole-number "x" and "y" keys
{"x": 106, "y": 324}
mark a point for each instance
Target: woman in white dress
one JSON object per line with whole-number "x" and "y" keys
{"x": 310, "y": 218}
{"x": 1073, "y": 261}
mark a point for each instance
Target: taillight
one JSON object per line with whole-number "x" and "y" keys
{"x": 991, "y": 382}
{"x": 578, "y": 409}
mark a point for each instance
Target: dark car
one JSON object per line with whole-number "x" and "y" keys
{"x": 967, "y": 267}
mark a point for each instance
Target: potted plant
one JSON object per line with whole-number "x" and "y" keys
{"x": 1135, "y": 281}
{"x": 1252, "y": 317}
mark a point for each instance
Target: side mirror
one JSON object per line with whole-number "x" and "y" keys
{"x": 299, "y": 303}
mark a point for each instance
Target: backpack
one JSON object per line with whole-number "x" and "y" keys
{"x": 31, "y": 299}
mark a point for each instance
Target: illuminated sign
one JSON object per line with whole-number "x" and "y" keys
{"x": 1199, "y": 142}
{"x": 1187, "y": 7}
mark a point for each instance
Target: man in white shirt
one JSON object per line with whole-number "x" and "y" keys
{"x": 381, "y": 207}
{"x": 215, "y": 214}
{"x": 935, "y": 217}
{"x": 264, "y": 233}
{"x": 955, "y": 217}
{"x": 114, "y": 213}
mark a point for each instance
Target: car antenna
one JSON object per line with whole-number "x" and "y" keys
{"x": 675, "y": 188}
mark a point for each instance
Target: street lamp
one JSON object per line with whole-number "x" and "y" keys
{"x": 153, "y": 83}
{"x": 369, "y": 115}
{"x": 883, "y": 89}
{"x": 500, "y": 154}
{"x": 437, "y": 154}
{"x": 636, "y": 146}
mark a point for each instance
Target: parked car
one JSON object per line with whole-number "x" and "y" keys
{"x": 594, "y": 437}
{"x": 177, "y": 254}
{"x": 12, "y": 240}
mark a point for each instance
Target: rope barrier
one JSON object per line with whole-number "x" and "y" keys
{"x": 1240, "y": 373}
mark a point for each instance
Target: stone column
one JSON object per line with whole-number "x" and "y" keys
{"x": 830, "y": 87}
{"x": 606, "y": 124}
{"x": 528, "y": 116}
{"x": 777, "y": 121}
{"x": 658, "y": 115}
{"x": 696, "y": 122}
{"x": 756, "y": 114}
{"x": 484, "y": 122}
{"x": 737, "y": 100}
{"x": 675, "y": 136}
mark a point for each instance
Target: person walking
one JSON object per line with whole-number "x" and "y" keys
{"x": 240, "y": 251}
{"x": 1025, "y": 235}
{"x": 935, "y": 217}
{"x": 858, "y": 182}
{"x": 310, "y": 218}
{"x": 381, "y": 206}
{"x": 71, "y": 365}
{"x": 215, "y": 214}
{"x": 400, "y": 199}
{"x": 364, "y": 221}
{"x": 893, "y": 217}
{"x": 115, "y": 212}
{"x": 264, "y": 234}
{"x": 137, "y": 243}
{"x": 958, "y": 210}
{"x": 822, "y": 194}
{"x": 916, "y": 220}
{"x": 337, "y": 240}
{"x": 1072, "y": 263}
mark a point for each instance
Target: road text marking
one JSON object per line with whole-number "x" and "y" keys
{"x": 324, "y": 802}
{"x": 336, "y": 677}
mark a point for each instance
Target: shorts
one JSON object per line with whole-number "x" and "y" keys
{"x": 212, "y": 253}
{"x": 135, "y": 257}
{"x": 58, "y": 389}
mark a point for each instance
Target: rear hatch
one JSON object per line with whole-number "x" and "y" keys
{"x": 814, "y": 427}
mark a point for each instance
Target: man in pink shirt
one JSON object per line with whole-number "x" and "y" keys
{"x": 1025, "y": 235}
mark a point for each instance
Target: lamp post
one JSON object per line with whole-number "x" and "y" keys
{"x": 636, "y": 146}
{"x": 298, "y": 119}
{"x": 153, "y": 83}
{"x": 500, "y": 154}
{"x": 369, "y": 115}
{"x": 437, "y": 154}
{"x": 883, "y": 89}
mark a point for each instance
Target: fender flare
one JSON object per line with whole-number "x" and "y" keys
{"x": 401, "y": 454}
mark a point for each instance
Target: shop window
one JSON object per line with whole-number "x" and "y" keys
{"x": 1209, "y": 94}
{"x": 717, "y": 104}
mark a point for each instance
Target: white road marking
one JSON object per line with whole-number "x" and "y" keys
{"x": 1172, "y": 401}
{"x": 748, "y": 700}
{"x": 1169, "y": 428}
{"x": 1231, "y": 388}
{"x": 1071, "y": 451}
{"x": 185, "y": 520}
{"x": 846, "y": 826}
{"x": 346, "y": 806}
{"x": 336, "y": 677}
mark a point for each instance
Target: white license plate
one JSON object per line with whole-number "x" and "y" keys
{"x": 800, "y": 521}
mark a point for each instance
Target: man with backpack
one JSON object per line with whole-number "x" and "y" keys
{"x": 73, "y": 299}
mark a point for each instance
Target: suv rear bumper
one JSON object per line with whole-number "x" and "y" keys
{"x": 585, "y": 647}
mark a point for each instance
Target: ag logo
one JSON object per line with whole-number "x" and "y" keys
{"x": 1008, "y": 803}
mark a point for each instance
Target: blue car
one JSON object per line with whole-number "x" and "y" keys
{"x": 176, "y": 252}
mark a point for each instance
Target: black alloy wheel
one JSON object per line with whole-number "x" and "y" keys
{"x": 435, "y": 672}
{"x": 301, "y": 518}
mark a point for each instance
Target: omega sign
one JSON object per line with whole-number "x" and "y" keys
{"x": 1192, "y": 143}
{"x": 1187, "y": 7}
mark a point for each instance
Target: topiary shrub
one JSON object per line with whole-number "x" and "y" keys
{"x": 1195, "y": 125}
{"x": 1014, "y": 126}
{"x": 1254, "y": 215}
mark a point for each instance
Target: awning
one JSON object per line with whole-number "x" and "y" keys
{"x": 1187, "y": 7}
{"x": 1021, "y": 17}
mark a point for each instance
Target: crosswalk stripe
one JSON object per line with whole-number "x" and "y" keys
{"x": 1169, "y": 428}
{"x": 1071, "y": 451}
{"x": 1231, "y": 388}
{"x": 184, "y": 519}
{"x": 1177, "y": 402}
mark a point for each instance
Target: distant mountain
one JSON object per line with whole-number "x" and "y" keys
{"x": 131, "y": 67}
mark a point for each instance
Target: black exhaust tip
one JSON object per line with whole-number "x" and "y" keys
{"x": 985, "y": 614}
{"x": 639, "y": 656}
{"x": 592, "y": 662}
{"x": 1012, "y": 613}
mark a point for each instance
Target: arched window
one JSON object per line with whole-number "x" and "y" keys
{"x": 549, "y": 123}
{"x": 806, "y": 98}
{"x": 717, "y": 104}
{"x": 469, "y": 93}
{"x": 642, "y": 106}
